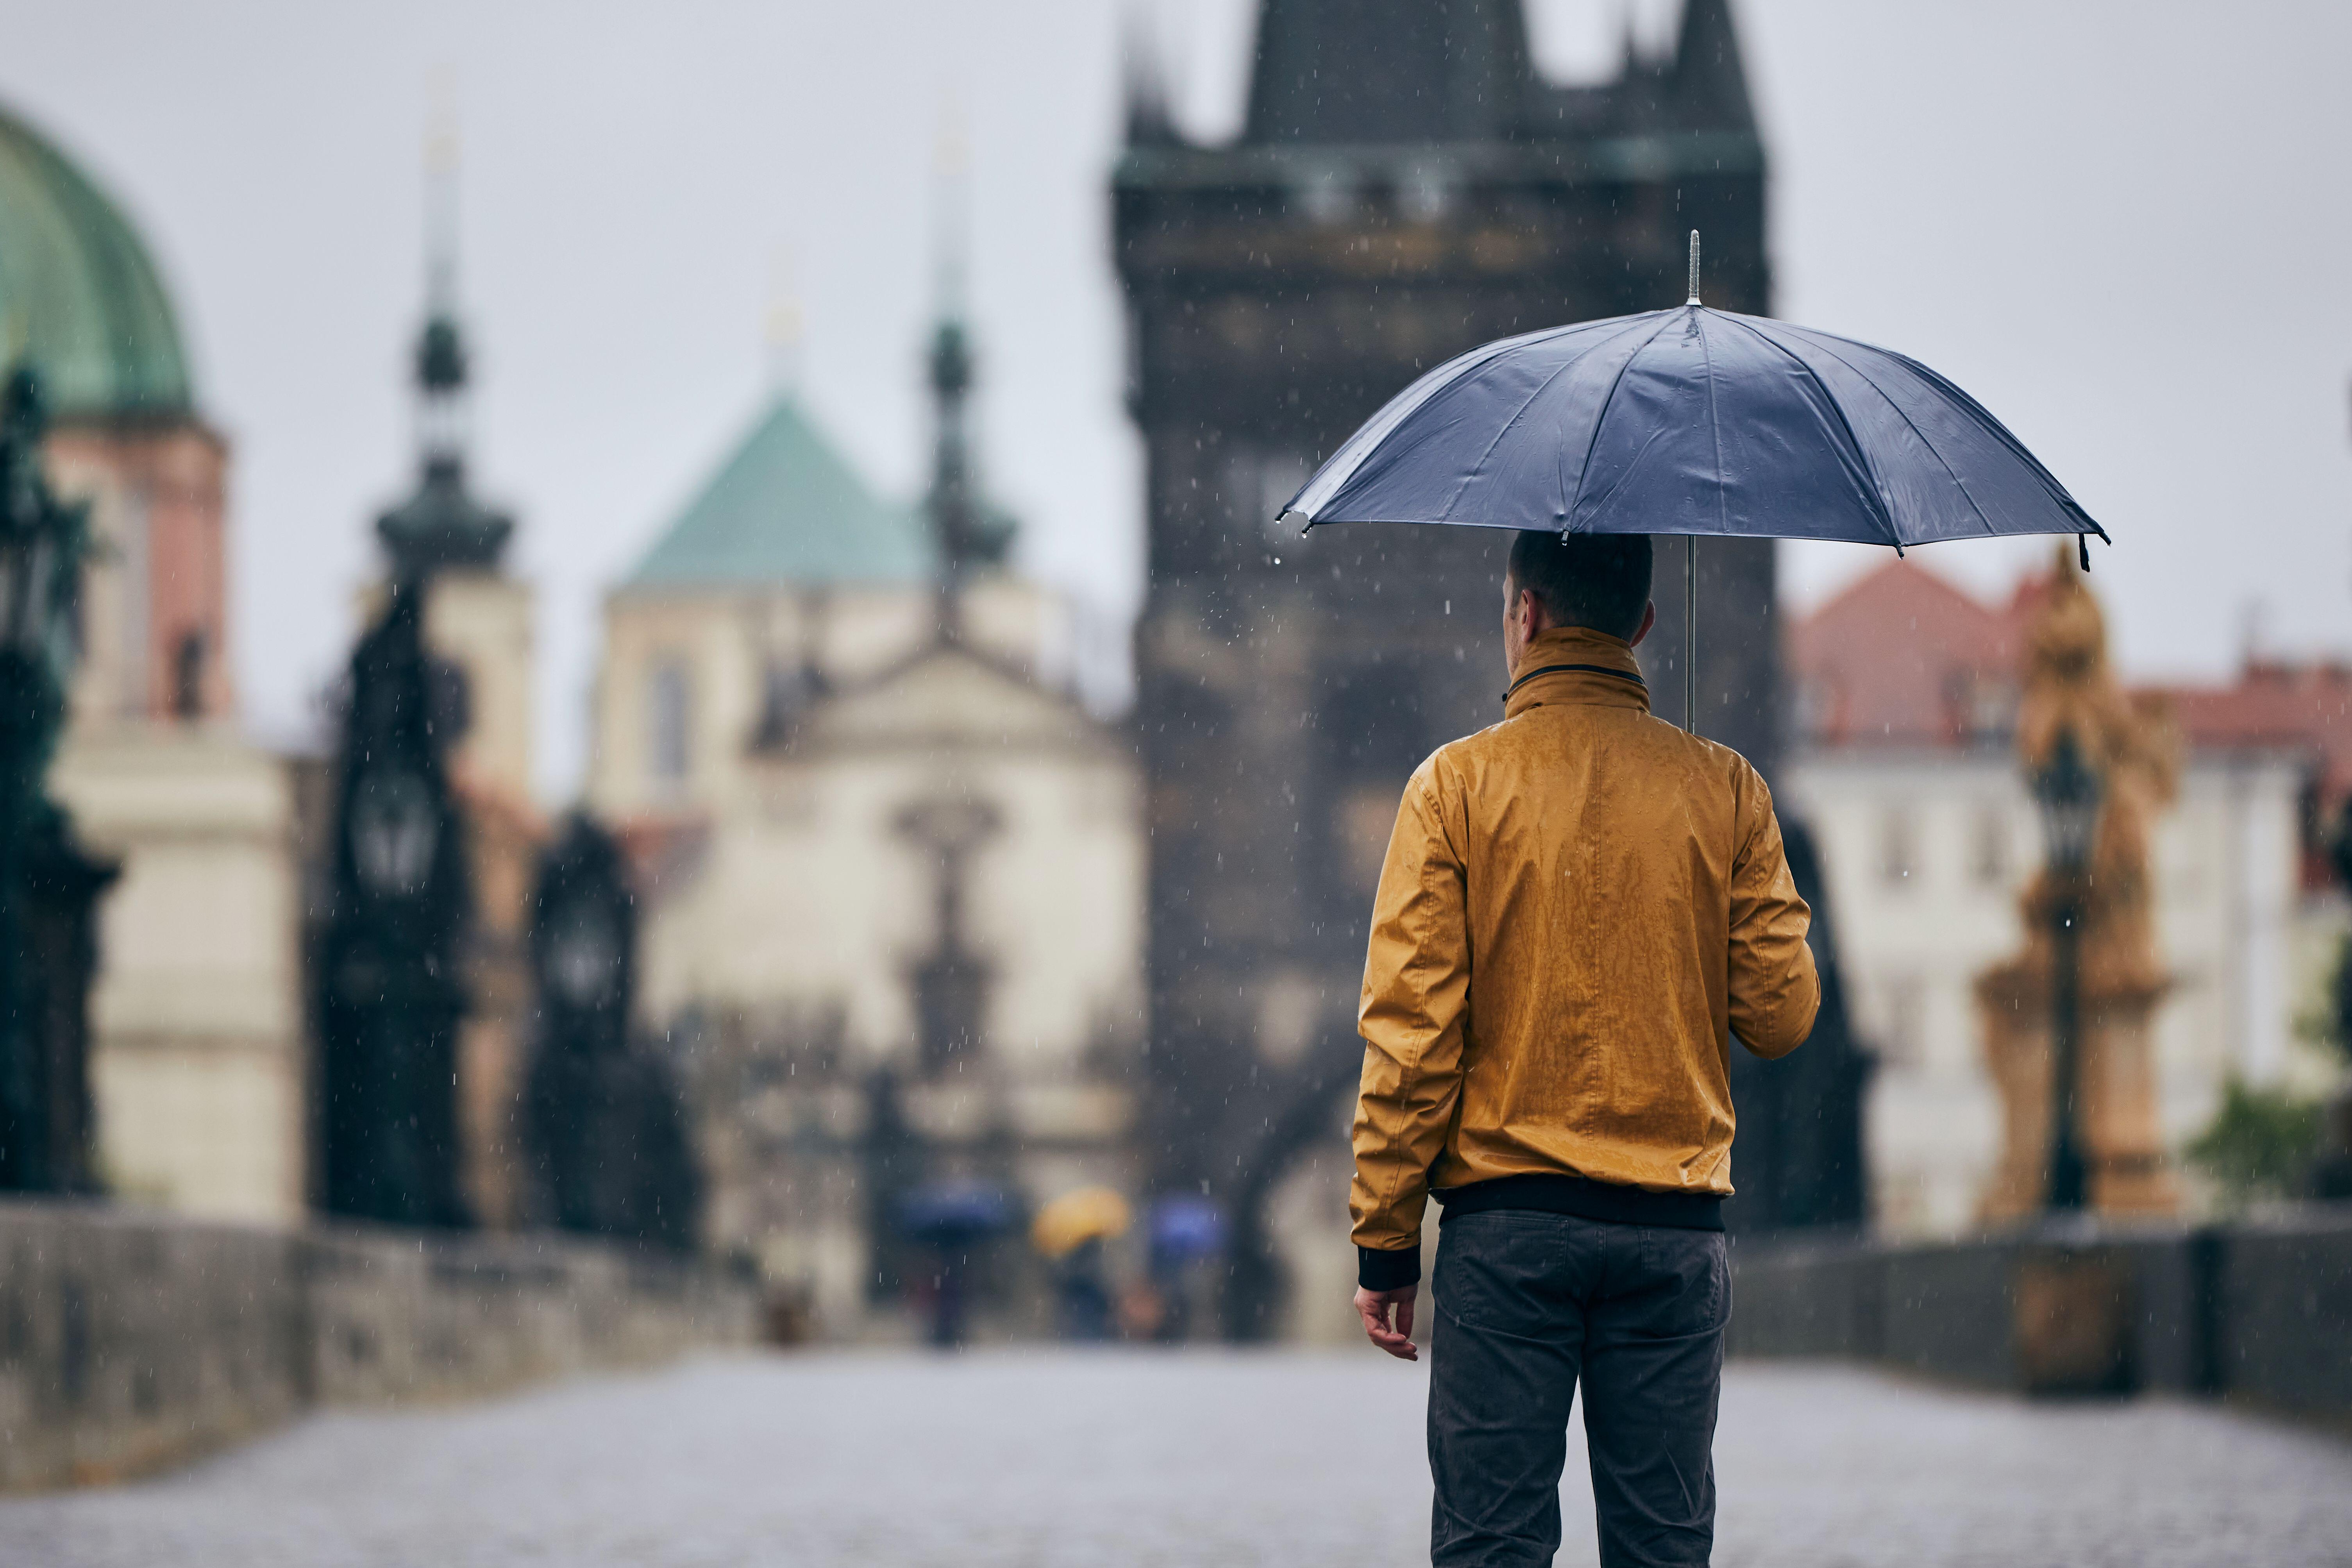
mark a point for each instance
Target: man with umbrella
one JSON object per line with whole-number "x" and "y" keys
{"x": 1582, "y": 906}
{"x": 1606, "y": 896}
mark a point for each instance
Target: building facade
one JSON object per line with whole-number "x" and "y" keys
{"x": 890, "y": 870}
{"x": 197, "y": 1070}
{"x": 1905, "y": 765}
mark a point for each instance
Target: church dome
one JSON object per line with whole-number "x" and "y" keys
{"x": 79, "y": 294}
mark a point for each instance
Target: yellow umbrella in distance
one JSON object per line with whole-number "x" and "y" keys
{"x": 1075, "y": 1218}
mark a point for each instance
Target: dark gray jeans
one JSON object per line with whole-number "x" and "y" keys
{"x": 1525, "y": 1304}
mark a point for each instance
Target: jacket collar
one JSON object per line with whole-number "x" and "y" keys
{"x": 1576, "y": 665}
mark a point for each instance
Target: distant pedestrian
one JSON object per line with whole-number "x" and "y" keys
{"x": 1581, "y": 906}
{"x": 1081, "y": 1295}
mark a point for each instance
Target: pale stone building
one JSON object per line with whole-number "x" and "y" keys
{"x": 1906, "y": 693}
{"x": 196, "y": 1065}
{"x": 893, "y": 872}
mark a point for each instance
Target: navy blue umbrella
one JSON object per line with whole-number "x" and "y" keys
{"x": 955, "y": 1212}
{"x": 1694, "y": 422}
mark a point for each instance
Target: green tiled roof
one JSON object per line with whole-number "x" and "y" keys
{"x": 786, "y": 508}
{"x": 79, "y": 295}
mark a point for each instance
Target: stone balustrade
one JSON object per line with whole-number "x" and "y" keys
{"x": 2258, "y": 1309}
{"x": 131, "y": 1341}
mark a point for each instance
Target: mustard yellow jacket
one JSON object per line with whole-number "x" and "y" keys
{"x": 1579, "y": 906}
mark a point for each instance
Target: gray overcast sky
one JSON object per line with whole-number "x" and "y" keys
{"x": 2123, "y": 225}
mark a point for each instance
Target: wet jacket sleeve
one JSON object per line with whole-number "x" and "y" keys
{"x": 1774, "y": 989}
{"x": 1416, "y": 995}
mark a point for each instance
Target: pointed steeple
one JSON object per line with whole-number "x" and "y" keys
{"x": 950, "y": 502}
{"x": 967, "y": 534}
{"x": 782, "y": 326}
{"x": 1710, "y": 85}
{"x": 441, "y": 524}
{"x": 1149, "y": 122}
{"x": 1387, "y": 71}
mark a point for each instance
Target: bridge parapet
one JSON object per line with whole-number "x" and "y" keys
{"x": 2257, "y": 1309}
{"x": 132, "y": 1342}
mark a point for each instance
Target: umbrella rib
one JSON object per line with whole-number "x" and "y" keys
{"x": 1357, "y": 449}
{"x": 1602, "y": 413}
{"x": 1996, "y": 428}
{"x": 1714, "y": 426}
{"x": 1878, "y": 486}
{"x": 1957, "y": 483}
{"x": 1520, "y": 412}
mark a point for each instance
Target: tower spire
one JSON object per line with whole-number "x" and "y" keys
{"x": 441, "y": 524}
{"x": 441, "y": 368}
{"x": 951, "y": 503}
{"x": 783, "y": 326}
{"x": 441, "y": 198}
{"x": 1149, "y": 120}
{"x": 1710, "y": 85}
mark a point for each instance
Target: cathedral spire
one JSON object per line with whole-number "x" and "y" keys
{"x": 1387, "y": 71}
{"x": 441, "y": 524}
{"x": 1149, "y": 122}
{"x": 952, "y": 502}
{"x": 784, "y": 327}
{"x": 1710, "y": 86}
{"x": 441, "y": 368}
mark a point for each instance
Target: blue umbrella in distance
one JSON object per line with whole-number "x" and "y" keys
{"x": 1694, "y": 422}
{"x": 955, "y": 1214}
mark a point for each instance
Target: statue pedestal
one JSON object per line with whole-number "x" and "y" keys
{"x": 2114, "y": 1101}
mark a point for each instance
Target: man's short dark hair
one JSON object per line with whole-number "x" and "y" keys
{"x": 1596, "y": 579}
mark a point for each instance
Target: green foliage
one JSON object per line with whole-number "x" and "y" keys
{"x": 2260, "y": 1142}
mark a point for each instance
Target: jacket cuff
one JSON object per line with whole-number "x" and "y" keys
{"x": 1388, "y": 1269}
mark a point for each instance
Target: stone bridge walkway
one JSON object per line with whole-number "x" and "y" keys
{"x": 1103, "y": 1460}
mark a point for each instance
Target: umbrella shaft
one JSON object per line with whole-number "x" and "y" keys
{"x": 1690, "y": 633}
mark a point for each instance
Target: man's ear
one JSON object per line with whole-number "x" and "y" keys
{"x": 1528, "y": 611}
{"x": 1649, "y": 619}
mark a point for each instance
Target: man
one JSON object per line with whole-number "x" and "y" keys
{"x": 1580, "y": 908}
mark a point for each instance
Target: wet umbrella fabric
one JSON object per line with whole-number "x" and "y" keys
{"x": 1691, "y": 421}
{"x": 955, "y": 1214}
{"x": 1070, "y": 1221}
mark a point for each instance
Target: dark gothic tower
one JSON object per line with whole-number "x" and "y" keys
{"x": 1405, "y": 187}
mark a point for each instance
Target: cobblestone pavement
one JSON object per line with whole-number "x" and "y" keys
{"x": 1117, "y": 1458}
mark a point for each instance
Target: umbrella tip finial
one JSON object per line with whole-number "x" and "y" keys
{"x": 1694, "y": 271}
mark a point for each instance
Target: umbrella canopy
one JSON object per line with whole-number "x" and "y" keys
{"x": 1694, "y": 422}
{"x": 1691, "y": 421}
{"x": 954, "y": 1213}
{"x": 1185, "y": 1228}
{"x": 1070, "y": 1221}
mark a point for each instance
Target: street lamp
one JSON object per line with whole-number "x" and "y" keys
{"x": 2068, "y": 790}
{"x": 395, "y": 828}
{"x": 584, "y": 954}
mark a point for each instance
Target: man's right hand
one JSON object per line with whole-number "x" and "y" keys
{"x": 1388, "y": 1320}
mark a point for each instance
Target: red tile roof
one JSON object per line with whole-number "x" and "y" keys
{"x": 1903, "y": 658}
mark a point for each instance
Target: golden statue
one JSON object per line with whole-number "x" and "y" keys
{"x": 2072, "y": 703}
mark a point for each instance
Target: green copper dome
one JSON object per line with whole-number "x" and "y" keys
{"x": 79, "y": 295}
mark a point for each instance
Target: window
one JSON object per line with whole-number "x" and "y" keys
{"x": 669, "y": 722}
